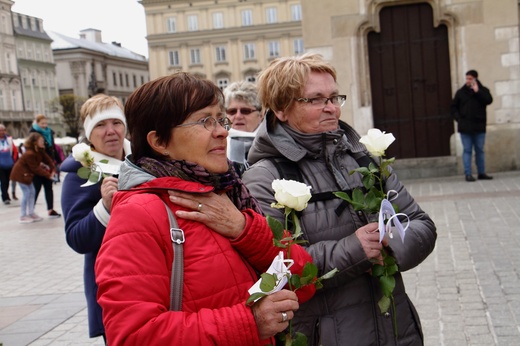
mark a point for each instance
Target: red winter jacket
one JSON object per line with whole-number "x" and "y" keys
{"x": 133, "y": 271}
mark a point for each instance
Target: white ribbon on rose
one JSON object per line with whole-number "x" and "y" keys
{"x": 387, "y": 212}
{"x": 280, "y": 267}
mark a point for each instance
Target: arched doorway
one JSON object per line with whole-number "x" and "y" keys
{"x": 410, "y": 81}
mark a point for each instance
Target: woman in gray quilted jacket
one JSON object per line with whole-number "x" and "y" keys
{"x": 303, "y": 131}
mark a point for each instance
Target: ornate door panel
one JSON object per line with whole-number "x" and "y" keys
{"x": 410, "y": 81}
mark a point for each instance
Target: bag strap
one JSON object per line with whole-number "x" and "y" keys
{"x": 176, "y": 281}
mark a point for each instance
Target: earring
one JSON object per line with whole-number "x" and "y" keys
{"x": 166, "y": 153}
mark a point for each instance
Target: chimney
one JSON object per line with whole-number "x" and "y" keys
{"x": 93, "y": 35}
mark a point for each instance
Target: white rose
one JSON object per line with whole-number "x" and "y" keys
{"x": 292, "y": 194}
{"x": 377, "y": 142}
{"x": 81, "y": 153}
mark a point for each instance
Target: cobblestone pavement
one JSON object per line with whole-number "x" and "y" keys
{"x": 467, "y": 292}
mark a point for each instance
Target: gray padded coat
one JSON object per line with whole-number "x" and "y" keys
{"x": 345, "y": 311}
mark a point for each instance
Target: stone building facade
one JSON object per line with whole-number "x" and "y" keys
{"x": 87, "y": 65}
{"x": 12, "y": 113}
{"x": 225, "y": 40}
{"x": 359, "y": 36}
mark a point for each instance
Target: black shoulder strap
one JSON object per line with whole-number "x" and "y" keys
{"x": 290, "y": 170}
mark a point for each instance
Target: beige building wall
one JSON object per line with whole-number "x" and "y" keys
{"x": 483, "y": 35}
{"x": 172, "y": 40}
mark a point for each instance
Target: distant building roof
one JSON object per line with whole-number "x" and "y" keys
{"x": 62, "y": 42}
{"x": 36, "y": 32}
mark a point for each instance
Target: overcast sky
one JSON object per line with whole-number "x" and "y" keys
{"x": 119, "y": 20}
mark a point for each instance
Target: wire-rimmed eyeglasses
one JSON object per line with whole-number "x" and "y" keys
{"x": 336, "y": 100}
{"x": 210, "y": 123}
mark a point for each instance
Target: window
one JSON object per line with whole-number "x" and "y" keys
{"x": 193, "y": 23}
{"x": 121, "y": 79}
{"x": 15, "y": 100}
{"x": 126, "y": 80}
{"x": 142, "y": 80}
{"x": 218, "y": 20}
{"x": 221, "y": 53}
{"x": 173, "y": 58}
{"x": 296, "y": 12}
{"x": 247, "y": 17}
{"x": 195, "y": 55}
{"x": 251, "y": 79}
{"x": 28, "y": 105}
{"x": 114, "y": 76}
{"x": 222, "y": 83}
{"x": 135, "y": 81}
{"x": 171, "y": 24}
{"x": 249, "y": 51}
{"x": 2, "y": 107}
{"x": 298, "y": 46}
{"x": 270, "y": 15}
{"x": 274, "y": 49}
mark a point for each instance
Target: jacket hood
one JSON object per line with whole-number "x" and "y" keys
{"x": 278, "y": 141}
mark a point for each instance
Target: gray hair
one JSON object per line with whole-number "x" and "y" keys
{"x": 242, "y": 91}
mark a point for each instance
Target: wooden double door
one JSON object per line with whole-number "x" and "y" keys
{"x": 410, "y": 81}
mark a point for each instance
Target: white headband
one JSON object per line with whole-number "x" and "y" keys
{"x": 110, "y": 113}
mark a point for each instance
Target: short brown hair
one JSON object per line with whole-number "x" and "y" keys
{"x": 40, "y": 117}
{"x": 164, "y": 103}
{"x": 285, "y": 78}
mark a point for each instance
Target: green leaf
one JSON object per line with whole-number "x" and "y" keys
{"x": 84, "y": 172}
{"x": 268, "y": 282}
{"x": 276, "y": 227}
{"x": 369, "y": 181}
{"x": 318, "y": 285}
{"x": 389, "y": 260}
{"x": 279, "y": 244}
{"x": 378, "y": 270}
{"x": 384, "y": 304}
{"x": 391, "y": 269}
{"x": 344, "y": 196}
{"x": 94, "y": 177}
{"x": 387, "y": 284}
{"x": 299, "y": 340}
{"x": 254, "y": 297}
{"x": 296, "y": 282}
{"x": 310, "y": 270}
{"x": 329, "y": 274}
{"x": 103, "y": 161}
{"x": 363, "y": 170}
{"x": 297, "y": 232}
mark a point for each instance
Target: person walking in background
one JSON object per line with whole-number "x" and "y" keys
{"x": 40, "y": 125}
{"x": 244, "y": 110}
{"x": 303, "y": 129}
{"x": 60, "y": 156}
{"x": 178, "y": 130}
{"x": 86, "y": 209}
{"x": 8, "y": 156}
{"x": 469, "y": 110}
{"x": 32, "y": 163}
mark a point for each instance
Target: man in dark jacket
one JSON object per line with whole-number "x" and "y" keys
{"x": 469, "y": 110}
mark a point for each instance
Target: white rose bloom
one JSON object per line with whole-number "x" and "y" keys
{"x": 81, "y": 153}
{"x": 377, "y": 142}
{"x": 292, "y": 194}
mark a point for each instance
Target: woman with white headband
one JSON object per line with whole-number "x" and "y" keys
{"x": 86, "y": 201}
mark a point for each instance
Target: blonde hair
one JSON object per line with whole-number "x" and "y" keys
{"x": 97, "y": 104}
{"x": 285, "y": 78}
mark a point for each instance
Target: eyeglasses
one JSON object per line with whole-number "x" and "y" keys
{"x": 243, "y": 111}
{"x": 210, "y": 123}
{"x": 338, "y": 100}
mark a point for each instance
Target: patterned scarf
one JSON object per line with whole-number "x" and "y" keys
{"x": 228, "y": 182}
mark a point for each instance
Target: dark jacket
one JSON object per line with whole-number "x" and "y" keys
{"x": 49, "y": 147}
{"x": 29, "y": 165}
{"x": 345, "y": 311}
{"x": 85, "y": 223}
{"x": 468, "y": 108}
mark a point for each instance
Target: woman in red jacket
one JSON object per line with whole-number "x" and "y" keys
{"x": 178, "y": 131}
